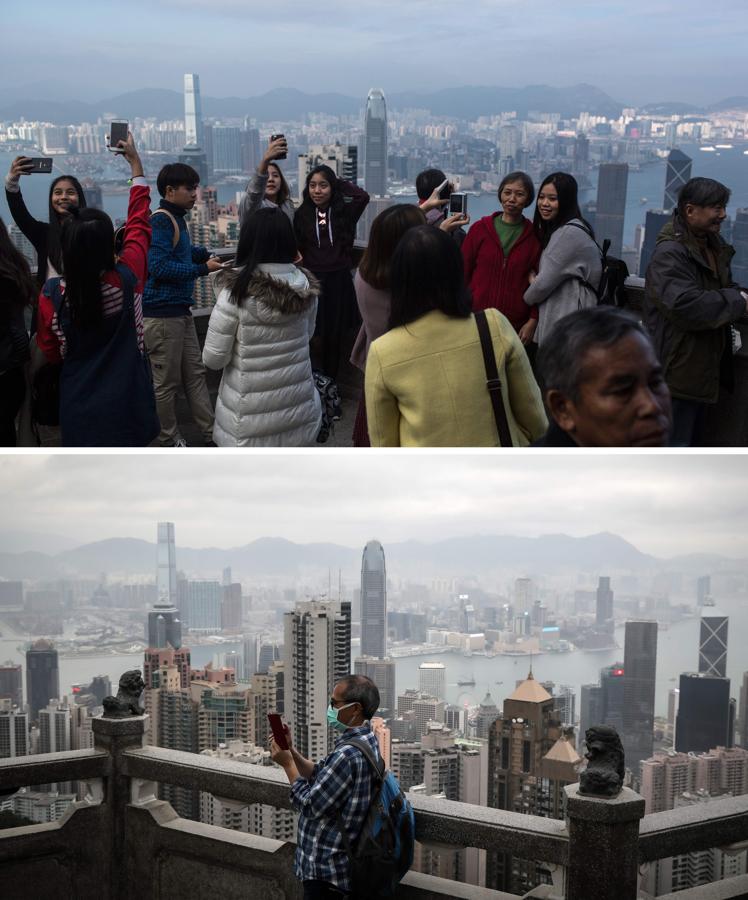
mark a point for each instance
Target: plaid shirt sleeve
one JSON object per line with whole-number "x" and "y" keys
{"x": 323, "y": 794}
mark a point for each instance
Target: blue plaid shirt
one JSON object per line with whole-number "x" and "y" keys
{"x": 341, "y": 783}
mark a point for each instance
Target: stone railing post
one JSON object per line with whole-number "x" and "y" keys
{"x": 115, "y": 736}
{"x": 603, "y": 845}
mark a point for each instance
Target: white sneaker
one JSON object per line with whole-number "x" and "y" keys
{"x": 180, "y": 442}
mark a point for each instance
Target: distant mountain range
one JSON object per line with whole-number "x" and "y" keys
{"x": 466, "y": 102}
{"x": 477, "y": 555}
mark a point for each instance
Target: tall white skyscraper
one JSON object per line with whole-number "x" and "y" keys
{"x": 14, "y": 730}
{"x": 373, "y": 601}
{"x": 166, "y": 565}
{"x": 375, "y": 144}
{"x": 432, "y": 679}
{"x": 317, "y": 654}
{"x": 193, "y": 112}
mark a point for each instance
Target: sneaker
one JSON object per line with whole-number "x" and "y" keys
{"x": 180, "y": 442}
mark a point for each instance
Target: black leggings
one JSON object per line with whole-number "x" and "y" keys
{"x": 12, "y": 392}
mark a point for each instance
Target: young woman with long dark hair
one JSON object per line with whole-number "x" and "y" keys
{"x": 17, "y": 292}
{"x": 259, "y": 333}
{"x": 268, "y": 187}
{"x": 92, "y": 320}
{"x": 426, "y": 377}
{"x": 570, "y": 264}
{"x": 325, "y": 226}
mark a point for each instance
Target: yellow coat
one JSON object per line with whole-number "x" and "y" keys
{"x": 426, "y": 385}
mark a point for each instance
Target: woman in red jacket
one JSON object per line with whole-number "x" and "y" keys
{"x": 500, "y": 252}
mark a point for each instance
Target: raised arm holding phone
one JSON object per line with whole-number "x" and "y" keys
{"x": 267, "y": 187}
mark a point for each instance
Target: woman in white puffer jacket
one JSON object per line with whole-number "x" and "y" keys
{"x": 259, "y": 334}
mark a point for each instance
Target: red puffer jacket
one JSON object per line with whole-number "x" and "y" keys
{"x": 498, "y": 281}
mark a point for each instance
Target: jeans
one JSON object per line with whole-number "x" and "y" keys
{"x": 688, "y": 423}
{"x": 176, "y": 361}
{"x": 12, "y": 392}
{"x": 322, "y": 890}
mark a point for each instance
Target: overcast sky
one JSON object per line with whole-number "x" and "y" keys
{"x": 638, "y": 50}
{"x": 664, "y": 505}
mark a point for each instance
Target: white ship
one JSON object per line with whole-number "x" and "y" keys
{"x": 708, "y": 149}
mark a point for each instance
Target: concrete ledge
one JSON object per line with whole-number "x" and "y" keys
{"x": 131, "y": 726}
{"x": 415, "y": 885}
{"x": 714, "y": 824}
{"x": 626, "y": 806}
{"x": 45, "y": 768}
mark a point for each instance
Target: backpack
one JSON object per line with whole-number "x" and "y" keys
{"x": 384, "y": 848}
{"x": 331, "y": 410}
{"x": 612, "y": 288}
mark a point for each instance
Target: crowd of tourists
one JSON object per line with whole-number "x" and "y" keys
{"x": 507, "y": 334}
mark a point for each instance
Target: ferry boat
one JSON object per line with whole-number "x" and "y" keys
{"x": 708, "y": 149}
{"x": 724, "y": 146}
{"x": 466, "y": 682}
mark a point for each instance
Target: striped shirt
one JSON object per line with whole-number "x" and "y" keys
{"x": 340, "y": 783}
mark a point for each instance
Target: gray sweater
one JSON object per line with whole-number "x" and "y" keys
{"x": 255, "y": 199}
{"x": 570, "y": 258}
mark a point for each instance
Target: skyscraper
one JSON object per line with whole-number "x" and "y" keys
{"x": 193, "y": 112}
{"x": 375, "y": 144}
{"x": 705, "y": 715}
{"x": 677, "y": 174}
{"x": 164, "y": 627}
{"x": 166, "y": 564}
{"x": 42, "y": 676}
{"x": 604, "y": 605}
{"x": 740, "y": 242}
{"x": 703, "y": 589}
{"x": 611, "y": 205}
{"x": 11, "y": 683}
{"x": 743, "y": 712}
{"x": 713, "y": 645}
{"x": 654, "y": 222}
{"x": 317, "y": 654}
{"x": 432, "y": 679}
{"x": 204, "y": 605}
{"x": 14, "y": 730}
{"x": 640, "y": 666}
{"x": 54, "y": 727}
{"x": 373, "y": 601}
{"x": 382, "y": 673}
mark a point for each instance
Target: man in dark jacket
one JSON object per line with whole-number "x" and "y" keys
{"x": 170, "y": 336}
{"x": 691, "y": 301}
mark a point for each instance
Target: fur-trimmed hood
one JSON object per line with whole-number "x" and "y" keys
{"x": 286, "y": 289}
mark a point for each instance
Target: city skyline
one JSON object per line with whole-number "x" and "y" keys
{"x": 652, "y": 501}
{"x": 386, "y": 43}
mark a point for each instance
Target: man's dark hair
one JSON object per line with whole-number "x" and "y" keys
{"x": 427, "y": 273}
{"x": 175, "y": 175}
{"x": 702, "y": 192}
{"x": 429, "y": 179}
{"x": 561, "y": 357}
{"x": 526, "y": 184}
{"x": 360, "y": 689}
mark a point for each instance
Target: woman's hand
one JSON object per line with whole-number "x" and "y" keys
{"x": 130, "y": 152}
{"x": 275, "y": 150}
{"x": 455, "y": 221}
{"x": 527, "y": 331}
{"x": 21, "y": 165}
{"x": 532, "y": 276}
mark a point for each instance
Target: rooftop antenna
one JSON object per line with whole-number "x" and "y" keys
{"x": 530, "y": 674}
{"x": 340, "y": 584}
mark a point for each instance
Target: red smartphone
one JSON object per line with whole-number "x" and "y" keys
{"x": 276, "y": 726}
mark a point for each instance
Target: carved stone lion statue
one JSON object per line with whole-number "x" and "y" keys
{"x": 605, "y": 770}
{"x": 125, "y": 704}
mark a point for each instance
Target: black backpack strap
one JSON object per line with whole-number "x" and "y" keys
{"x": 493, "y": 383}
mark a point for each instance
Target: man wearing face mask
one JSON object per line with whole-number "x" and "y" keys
{"x": 337, "y": 790}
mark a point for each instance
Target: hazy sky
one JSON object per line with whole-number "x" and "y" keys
{"x": 638, "y": 51}
{"x": 665, "y": 505}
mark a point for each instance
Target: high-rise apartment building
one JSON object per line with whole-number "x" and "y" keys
{"x": 432, "y": 679}
{"x": 640, "y": 667}
{"x": 382, "y": 673}
{"x": 269, "y": 653}
{"x": 193, "y": 112}
{"x": 739, "y": 241}
{"x": 11, "y": 683}
{"x": 678, "y": 172}
{"x": 42, "y": 676}
{"x": 654, "y": 222}
{"x": 705, "y": 715}
{"x": 14, "y": 730}
{"x": 11, "y": 592}
{"x": 249, "y": 656}
{"x": 166, "y": 564}
{"x": 743, "y": 712}
{"x": 611, "y": 205}
{"x": 523, "y": 595}
{"x": 604, "y": 604}
{"x": 204, "y": 600}
{"x": 341, "y": 158}
{"x": 164, "y": 627}
{"x": 54, "y": 727}
{"x": 375, "y": 144}
{"x": 317, "y": 654}
{"x": 231, "y": 607}
{"x": 227, "y": 149}
{"x": 713, "y": 645}
{"x": 373, "y": 601}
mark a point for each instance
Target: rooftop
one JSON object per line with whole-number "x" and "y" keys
{"x": 530, "y": 691}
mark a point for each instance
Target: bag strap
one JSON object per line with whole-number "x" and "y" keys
{"x": 493, "y": 383}
{"x": 376, "y": 763}
{"x": 165, "y": 212}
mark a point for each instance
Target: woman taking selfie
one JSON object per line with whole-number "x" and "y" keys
{"x": 325, "y": 225}
{"x": 570, "y": 264}
{"x": 92, "y": 320}
{"x": 268, "y": 187}
{"x": 426, "y": 377}
{"x": 259, "y": 334}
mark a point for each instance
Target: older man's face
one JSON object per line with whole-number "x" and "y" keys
{"x": 623, "y": 400}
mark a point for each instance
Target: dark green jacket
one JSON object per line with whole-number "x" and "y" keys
{"x": 688, "y": 309}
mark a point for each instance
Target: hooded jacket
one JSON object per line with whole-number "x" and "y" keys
{"x": 497, "y": 281}
{"x": 267, "y": 396}
{"x": 687, "y": 308}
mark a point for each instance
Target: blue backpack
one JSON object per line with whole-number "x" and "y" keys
{"x": 384, "y": 848}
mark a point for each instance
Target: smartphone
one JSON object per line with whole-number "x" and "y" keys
{"x": 117, "y": 133}
{"x": 445, "y": 188}
{"x": 277, "y": 137}
{"x": 40, "y": 164}
{"x": 276, "y": 726}
{"x": 457, "y": 204}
